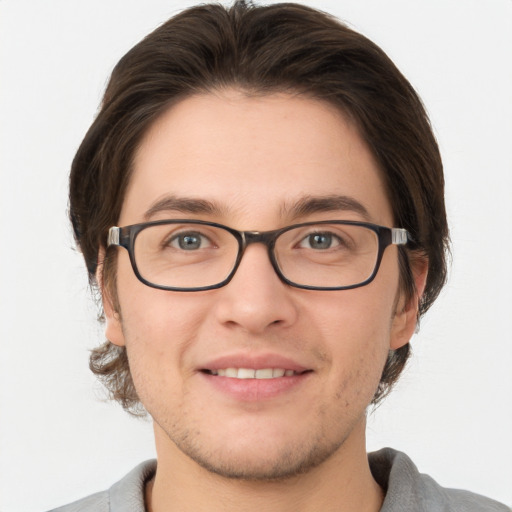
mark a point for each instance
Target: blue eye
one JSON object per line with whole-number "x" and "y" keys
{"x": 320, "y": 241}
{"x": 189, "y": 241}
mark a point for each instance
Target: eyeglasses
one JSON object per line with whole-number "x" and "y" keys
{"x": 195, "y": 255}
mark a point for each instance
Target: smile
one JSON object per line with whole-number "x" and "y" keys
{"x": 250, "y": 373}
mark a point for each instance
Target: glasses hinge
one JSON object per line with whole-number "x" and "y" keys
{"x": 399, "y": 236}
{"x": 113, "y": 236}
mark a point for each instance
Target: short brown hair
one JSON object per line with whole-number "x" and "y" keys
{"x": 261, "y": 49}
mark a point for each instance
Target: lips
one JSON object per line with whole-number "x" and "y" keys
{"x": 248, "y": 377}
{"x": 251, "y": 373}
{"x": 248, "y": 366}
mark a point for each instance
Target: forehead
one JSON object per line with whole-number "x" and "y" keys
{"x": 254, "y": 158}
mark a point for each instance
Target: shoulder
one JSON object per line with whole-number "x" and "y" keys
{"x": 408, "y": 490}
{"x": 97, "y": 502}
{"x": 126, "y": 495}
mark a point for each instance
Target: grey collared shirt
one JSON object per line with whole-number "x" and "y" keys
{"x": 407, "y": 490}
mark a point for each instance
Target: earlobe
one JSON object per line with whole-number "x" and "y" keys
{"x": 113, "y": 326}
{"x": 406, "y": 315}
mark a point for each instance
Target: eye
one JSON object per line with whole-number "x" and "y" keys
{"x": 189, "y": 241}
{"x": 320, "y": 241}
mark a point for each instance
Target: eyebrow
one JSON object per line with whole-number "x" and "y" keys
{"x": 312, "y": 204}
{"x": 183, "y": 205}
{"x": 304, "y": 206}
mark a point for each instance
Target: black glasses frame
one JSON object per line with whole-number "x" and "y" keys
{"x": 125, "y": 237}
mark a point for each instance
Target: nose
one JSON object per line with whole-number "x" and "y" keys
{"x": 256, "y": 299}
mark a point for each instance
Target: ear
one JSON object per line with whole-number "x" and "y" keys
{"x": 406, "y": 314}
{"x": 113, "y": 326}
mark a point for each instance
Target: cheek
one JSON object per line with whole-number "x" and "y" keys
{"x": 356, "y": 328}
{"x": 361, "y": 317}
{"x": 158, "y": 335}
{"x": 159, "y": 323}
{"x": 153, "y": 318}
{"x": 158, "y": 327}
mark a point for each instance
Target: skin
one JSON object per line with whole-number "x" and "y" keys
{"x": 304, "y": 448}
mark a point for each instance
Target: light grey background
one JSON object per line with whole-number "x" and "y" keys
{"x": 452, "y": 409}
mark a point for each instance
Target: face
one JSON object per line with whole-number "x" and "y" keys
{"x": 254, "y": 159}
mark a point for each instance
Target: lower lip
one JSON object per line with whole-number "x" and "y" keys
{"x": 254, "y": 390}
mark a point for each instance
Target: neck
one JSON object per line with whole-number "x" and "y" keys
{"x": 342, "y": 483}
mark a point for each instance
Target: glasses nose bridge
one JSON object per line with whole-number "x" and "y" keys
{"x": 266, "y": 238}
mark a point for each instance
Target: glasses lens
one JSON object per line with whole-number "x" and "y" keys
{"x": 327, "y": 255}
{"x": 185, "y": 255}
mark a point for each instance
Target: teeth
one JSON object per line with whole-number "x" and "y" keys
{"x": 250, "y": 373}
{"x": 245, "y": 373}
{"x": 267, "y": 373}
{"x": 231, "y": 372}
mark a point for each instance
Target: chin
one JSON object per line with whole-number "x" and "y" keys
{"x": 260, "y": 460}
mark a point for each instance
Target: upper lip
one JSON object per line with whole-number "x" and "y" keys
{"x": 254, "y": 361}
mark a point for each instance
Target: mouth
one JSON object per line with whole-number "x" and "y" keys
{"x": 252, "y": 373}
{"x": 253, "y": 377}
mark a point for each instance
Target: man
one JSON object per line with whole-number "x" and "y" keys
{"x": 260, "y": 201}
